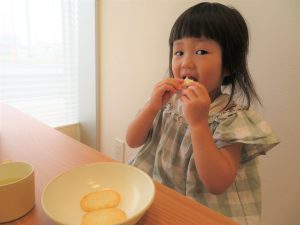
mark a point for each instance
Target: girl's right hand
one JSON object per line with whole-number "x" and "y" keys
{"x": 163, "y": 91}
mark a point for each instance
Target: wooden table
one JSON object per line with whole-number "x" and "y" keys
{"x": 23, "y": 138}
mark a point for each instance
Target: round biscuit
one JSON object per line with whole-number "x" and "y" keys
{"x": 107, "y": 216}
{"x": 106, "y": 198}
{"x": 186, "y": 81}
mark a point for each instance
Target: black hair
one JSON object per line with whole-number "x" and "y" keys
{"x": 227, "y": 27}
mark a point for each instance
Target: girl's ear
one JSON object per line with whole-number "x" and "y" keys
{"x": 225, "y": 73}
{"x": 227, "y": 77}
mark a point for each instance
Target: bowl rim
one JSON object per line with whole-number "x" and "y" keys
{"x": 9, "y": 163}
{"x": 135, "y": 216}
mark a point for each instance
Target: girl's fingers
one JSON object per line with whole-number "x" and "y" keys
{"x": 176, "y": 83}
{"x": 194, "y": 91}
{"x": 185, "y": 99}
{"x": 163, "y": 91}
{"x": 191, "y": 93}
{"x": 165, "y": 87}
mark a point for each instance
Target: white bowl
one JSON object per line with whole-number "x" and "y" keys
{"x": 61, "y": 197}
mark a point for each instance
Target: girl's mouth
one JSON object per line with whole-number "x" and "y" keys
{"x": 191, "y": 78}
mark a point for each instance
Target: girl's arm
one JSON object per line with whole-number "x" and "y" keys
{"x": 216, "y": 168}
{"x": 138, "y": 130}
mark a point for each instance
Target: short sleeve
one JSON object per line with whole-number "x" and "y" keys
{"x": 246, "y": 127}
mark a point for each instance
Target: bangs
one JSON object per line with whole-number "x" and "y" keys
{"x": 196, "y": 24}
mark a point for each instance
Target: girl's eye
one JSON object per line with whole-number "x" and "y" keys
{"x": 201, "y": 52}
{"x": 178, "y": 53}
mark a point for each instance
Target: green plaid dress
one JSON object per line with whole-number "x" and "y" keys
{"x": 167, "y": 156}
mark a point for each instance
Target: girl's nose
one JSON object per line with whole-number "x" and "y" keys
{"x": 187, "y": 62}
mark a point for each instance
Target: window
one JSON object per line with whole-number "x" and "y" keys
{"x": 39, "y": 58}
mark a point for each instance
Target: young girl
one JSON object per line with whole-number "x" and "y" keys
{"x": 196, "y": 139}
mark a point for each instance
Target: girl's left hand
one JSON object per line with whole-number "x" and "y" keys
{"x": 196, "y": 102}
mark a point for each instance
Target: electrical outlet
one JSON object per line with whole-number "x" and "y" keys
{"x": 119, "y": 150}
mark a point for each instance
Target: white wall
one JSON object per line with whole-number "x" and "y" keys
{"x": 134, "y": 56}
{"x": 87, "y": 79}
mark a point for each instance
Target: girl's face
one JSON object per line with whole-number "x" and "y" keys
{"x": 199, "y": 59}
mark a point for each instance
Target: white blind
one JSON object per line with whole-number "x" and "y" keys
{"x": 39, "y": 58}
